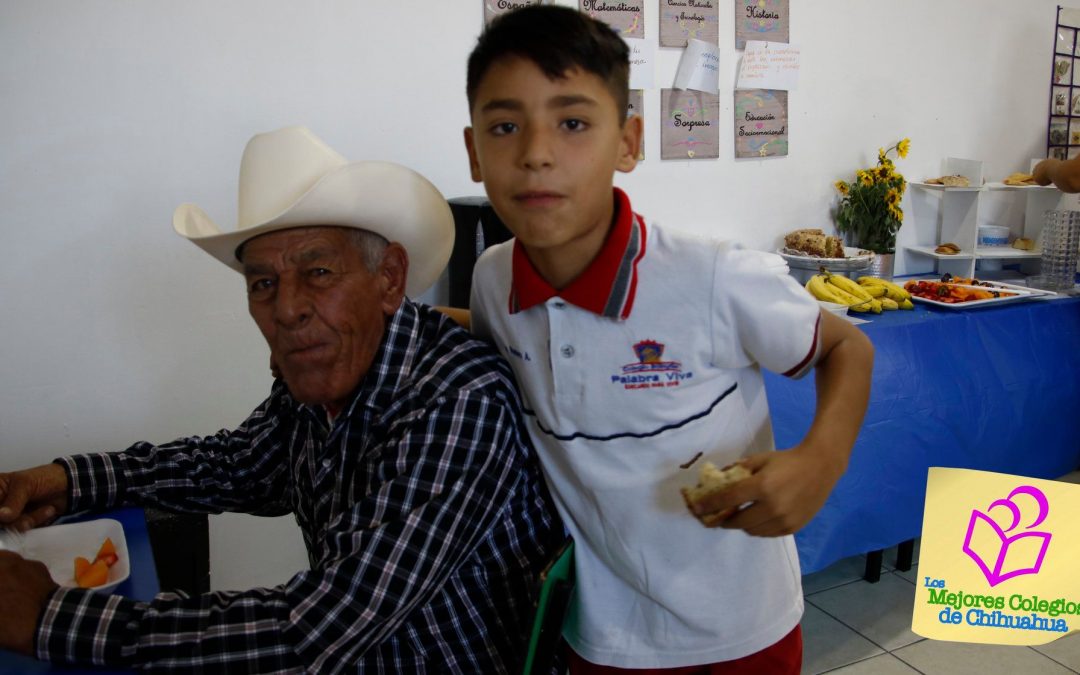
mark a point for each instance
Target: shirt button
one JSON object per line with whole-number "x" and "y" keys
{"x": 327, "y": 463}
{"x": 567, "y": 351}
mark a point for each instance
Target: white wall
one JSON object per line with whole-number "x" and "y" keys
{"x": 113, "y": 112}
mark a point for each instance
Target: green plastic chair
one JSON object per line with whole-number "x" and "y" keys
{"x": 556, "y": 584}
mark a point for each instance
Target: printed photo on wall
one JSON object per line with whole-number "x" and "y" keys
{"x": 765, "y": 20}
{"x": 1062, "y": 66}
{"x": 627, "y": 17}
{"x": 1061, "y": 101}
{"x": 761, "y": 118}
{"x": 1059, "y": 131}
{"x": 691, "y": 128}
{"x": 682, "y": 20}
{"x": 493, "y": 8}
{"x": 635, "y": 105}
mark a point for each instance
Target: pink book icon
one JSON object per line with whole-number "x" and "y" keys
{"x": 999, "y": 555}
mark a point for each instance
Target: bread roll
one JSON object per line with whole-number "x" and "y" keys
{"x": 711, "y": 481}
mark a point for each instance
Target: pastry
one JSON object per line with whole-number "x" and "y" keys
{"x": 711, "y": 481}
{"x": 1020, "y": 179}
{"x": 814, "y": 242}
{"x": 948, "y": 248}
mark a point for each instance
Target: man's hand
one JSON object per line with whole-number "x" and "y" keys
{"x": 25, "y": 586}
{"x": 32, "y": 497}
{"x": 785, "y": 491}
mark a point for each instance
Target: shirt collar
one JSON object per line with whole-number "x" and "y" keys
{"x": 608, "y": 284}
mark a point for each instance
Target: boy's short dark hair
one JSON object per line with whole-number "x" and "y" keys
{"x": 556, "y": 39}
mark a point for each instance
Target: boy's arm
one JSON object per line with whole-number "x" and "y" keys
{"x": 788, "y": 488}
{"x": 463, "y": 317}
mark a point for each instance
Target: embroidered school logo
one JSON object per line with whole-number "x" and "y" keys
{"x": 650, "y": 370}
{"x": 998, "y": 555}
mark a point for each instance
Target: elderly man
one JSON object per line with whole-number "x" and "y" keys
{"x": 392, "y": 436}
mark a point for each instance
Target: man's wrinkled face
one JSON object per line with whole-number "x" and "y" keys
{"x": 321, "y": 310}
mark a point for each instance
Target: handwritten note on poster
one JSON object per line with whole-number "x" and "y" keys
{"x": 699, "y": 67}
{"x": 682, "y": 20}
{"x": 765, "y": 20}
{"x": 761, "y": 119}
{"x": 691, "y": 125}
{"x": 642, "y": 63}
{"x": 627, "y": 17}
{"x": 769, "y": 65}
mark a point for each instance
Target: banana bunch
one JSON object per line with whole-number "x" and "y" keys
{"x": 841, "y": 290}
{"x": 887, "y": 291}
{"x": 866, "y": 294}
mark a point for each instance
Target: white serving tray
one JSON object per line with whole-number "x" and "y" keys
{"x": 58, "y": 545}
{"x": 1021, "y": 293}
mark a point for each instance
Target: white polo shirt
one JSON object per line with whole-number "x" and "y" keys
{"x": 650, "y": 357}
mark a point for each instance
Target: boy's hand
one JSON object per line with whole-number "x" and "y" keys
{"x": 33, "y": 497}
{"x": 785, "y": 491}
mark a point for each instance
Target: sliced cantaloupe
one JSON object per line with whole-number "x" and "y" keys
{"x": 96, "y": 575}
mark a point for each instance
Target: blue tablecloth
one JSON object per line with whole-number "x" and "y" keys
{"x": 996, "y": 389}
{"x": 142, "y": 584}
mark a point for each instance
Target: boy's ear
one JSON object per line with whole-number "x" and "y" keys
{"x": 474, "y": 164}
{"x": 630, "y": 144}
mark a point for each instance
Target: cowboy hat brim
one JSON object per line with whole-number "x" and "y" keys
{"x": 381, "y": 197}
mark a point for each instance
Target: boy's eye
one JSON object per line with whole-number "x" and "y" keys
{"x": 504, "y": 128}
{"x": 575, "y": 124}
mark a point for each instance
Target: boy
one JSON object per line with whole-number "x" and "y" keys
{"x": 638, "y": 348}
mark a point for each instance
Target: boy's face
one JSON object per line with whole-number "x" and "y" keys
{"x": 546, "y": 151}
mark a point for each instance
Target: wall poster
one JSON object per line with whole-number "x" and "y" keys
{"x": 493, "y": 8}
{"x": 764, "y": 20}
{"x": 761, "y": 118}
{"x": 691, "y": 124}
{"x": 627, "y": 17}
{"x": 682, "y": 20}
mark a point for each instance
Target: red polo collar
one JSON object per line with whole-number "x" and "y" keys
{"x": 607, "y": 285}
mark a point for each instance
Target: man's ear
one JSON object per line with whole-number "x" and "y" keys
{"x": 474, "y": 163}
{"x": 630, "y": 144}
{"x": 392, "y": 273}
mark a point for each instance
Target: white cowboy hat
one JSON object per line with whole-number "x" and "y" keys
{"x": 291, "y": 178}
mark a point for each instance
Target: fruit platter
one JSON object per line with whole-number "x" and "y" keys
{"x": 968, "y": 293}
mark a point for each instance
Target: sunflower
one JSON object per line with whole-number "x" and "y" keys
{"x": 902, "y": 148}
{"x": 864, "y": 177}
{"x": 843, "y": 188}
{"x": 892, "y": 197}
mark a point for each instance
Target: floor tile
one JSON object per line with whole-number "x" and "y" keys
{"x": 839, "y": 573}
{"x": 829, "y": 644}
{"x": 934, "y": 657}
{"x": 1065, "y": 651}
{"x": 886, "y": 664}
{"x": 911, "y": 576}
{"x": 880, "y": 612}
{"x": 1073, "y": 477}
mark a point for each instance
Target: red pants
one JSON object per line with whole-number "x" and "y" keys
{"x": 782, "y": 658}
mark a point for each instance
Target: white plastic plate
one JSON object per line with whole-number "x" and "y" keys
{"x": 853, "y": 255}
{"x": 58, "y": 545}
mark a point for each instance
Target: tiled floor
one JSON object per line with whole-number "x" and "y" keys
{"x": 842, "y": 635}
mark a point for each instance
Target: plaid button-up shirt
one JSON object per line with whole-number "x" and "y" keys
{"x": 421, "y": 508}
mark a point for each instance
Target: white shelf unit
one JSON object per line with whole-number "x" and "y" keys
{"x": 956, "y": 219}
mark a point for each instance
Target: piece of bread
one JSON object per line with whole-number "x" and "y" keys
{"x": 948, "y": 248}
{"x": 813, "y": 241}
{"x": 1019, "y": 179}
{"x": 711, "y": 481}
{"x": 1024, "y": 244}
